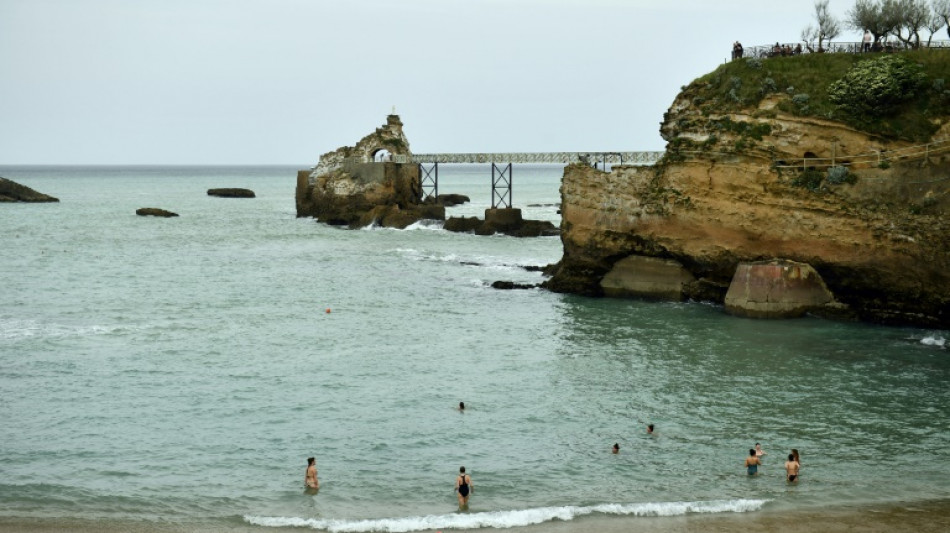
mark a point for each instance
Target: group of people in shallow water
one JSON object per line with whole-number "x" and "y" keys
{"x": 464, "y": 487}
{"x": 754, "y": 461}
{"x": 463, "y": 482}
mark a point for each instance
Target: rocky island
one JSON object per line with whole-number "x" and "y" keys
{"x": 375, "y": 182}
{"x": 789, "y": 185}
{"x": 11, "y": 191}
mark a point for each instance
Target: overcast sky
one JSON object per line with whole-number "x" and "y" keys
{"x": 283, "y": 81}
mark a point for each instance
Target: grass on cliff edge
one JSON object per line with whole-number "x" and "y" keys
{"x": 805, "y": 80}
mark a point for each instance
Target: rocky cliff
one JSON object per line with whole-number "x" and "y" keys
{"x": 756, "y": 183}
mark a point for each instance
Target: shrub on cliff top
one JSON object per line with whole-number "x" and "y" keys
{"x": 876, "y": 87}
{"x": 813, "y": 74}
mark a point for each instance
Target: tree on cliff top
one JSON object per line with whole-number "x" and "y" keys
{"x": 942, "y": 12}
{"x": 878, "y": 17}
{"x": 828, "y": 27}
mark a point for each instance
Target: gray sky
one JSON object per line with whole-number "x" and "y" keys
{"x": 283, "y": 81}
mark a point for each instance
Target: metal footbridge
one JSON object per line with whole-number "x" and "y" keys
{"x": 564, "y": 158}
{"x": 501, "y": 166}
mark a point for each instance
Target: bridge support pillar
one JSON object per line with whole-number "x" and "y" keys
{"x": 503, "y": 219}
{"x": 501, "y": 179}
{"x": 430, "y": 181}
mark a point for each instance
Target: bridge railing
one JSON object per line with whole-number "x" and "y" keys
{"x": 563, "y": 158}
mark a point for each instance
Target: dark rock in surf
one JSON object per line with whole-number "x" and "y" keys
{"x": 449, "y": 200}
{"x": 231, "y": 193}
{"x": 509, "y": 285}
{"x": 11, "y": 191}
{"x": 154, "y": 212}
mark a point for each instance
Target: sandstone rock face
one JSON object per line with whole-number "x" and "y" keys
{"x": 11, "y": 191}
{"x": 881, "y": 244}
{"x": 154, "y": 212}
{"x": 231, "y": 193}
{"x": 648, "y": 277}
{"x": 776, "y": 289}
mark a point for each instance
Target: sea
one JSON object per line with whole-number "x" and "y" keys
{"x": 182, "y": 370}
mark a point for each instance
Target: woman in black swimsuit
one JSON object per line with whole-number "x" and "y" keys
{"x": 463, "y": 488}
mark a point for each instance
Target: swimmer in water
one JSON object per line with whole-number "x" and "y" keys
{"x": 616, "y": 448}
{"x": 752, "y": 463}
{"x": 461, "y": 406}
{"x": 463, "y": 488}
{"x": 759, "y": 452}
{"x": 310, "y": 479}
{"x": 791, "y": 469}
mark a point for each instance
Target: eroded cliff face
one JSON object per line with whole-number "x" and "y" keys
{"x": 728, "y": 191}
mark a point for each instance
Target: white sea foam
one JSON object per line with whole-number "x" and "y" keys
{"x": 934, "y": 340}
{"x": 23, "y": 329}
{"x": 507, "y": 519}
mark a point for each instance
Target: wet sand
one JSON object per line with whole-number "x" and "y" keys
{"x": 924, "y": 517}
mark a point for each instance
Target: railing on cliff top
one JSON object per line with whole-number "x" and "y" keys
{"x": 878, "y": 158}
{"x": 786, "y": 49}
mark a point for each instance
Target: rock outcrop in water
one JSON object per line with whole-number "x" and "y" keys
{"x": 507, "y": 221}
{"x": 154, "y": 212}
{"x": 351, "y": 187}
{"x": 231, "y": 193}
{"x": 375, "y": 183}
{"x": 726, "y": 193}
{"x": 11, "y": 191}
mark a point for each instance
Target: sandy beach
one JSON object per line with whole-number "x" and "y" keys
{"x": 925, "y": 517}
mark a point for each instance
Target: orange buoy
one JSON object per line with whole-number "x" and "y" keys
{"x": 328, "y": 310}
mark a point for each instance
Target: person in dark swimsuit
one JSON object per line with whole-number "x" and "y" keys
{"x": 463, "y": 488}
{"x": 752, "y": 463}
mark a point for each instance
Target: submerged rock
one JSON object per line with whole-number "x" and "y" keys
{"x": 507, "y": 221}
{"x": 449, "y": 200}
{"x": 231, "y": 193}
{"x": 154, "y": 212}
{"x": 11, "y": 191}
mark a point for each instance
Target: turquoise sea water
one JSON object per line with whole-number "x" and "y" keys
{"x": 181, "y": 370}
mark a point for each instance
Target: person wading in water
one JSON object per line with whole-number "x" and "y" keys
{"x": 463, "y": 488}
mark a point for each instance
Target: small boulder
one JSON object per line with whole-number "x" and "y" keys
{"x": 776, "y": 289}
{"x": 449, "y": 200}
{"x": 462, "y": 224}
{"x": 510, "y": 285}
{"x": 231, "y": 193}
{"x": 154, "y": 212}
{"x": 11, "y": 191}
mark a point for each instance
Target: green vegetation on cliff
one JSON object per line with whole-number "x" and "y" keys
{"x": 900, "y": 96}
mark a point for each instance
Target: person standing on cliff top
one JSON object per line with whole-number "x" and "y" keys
{"x": 867, "y": 41}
